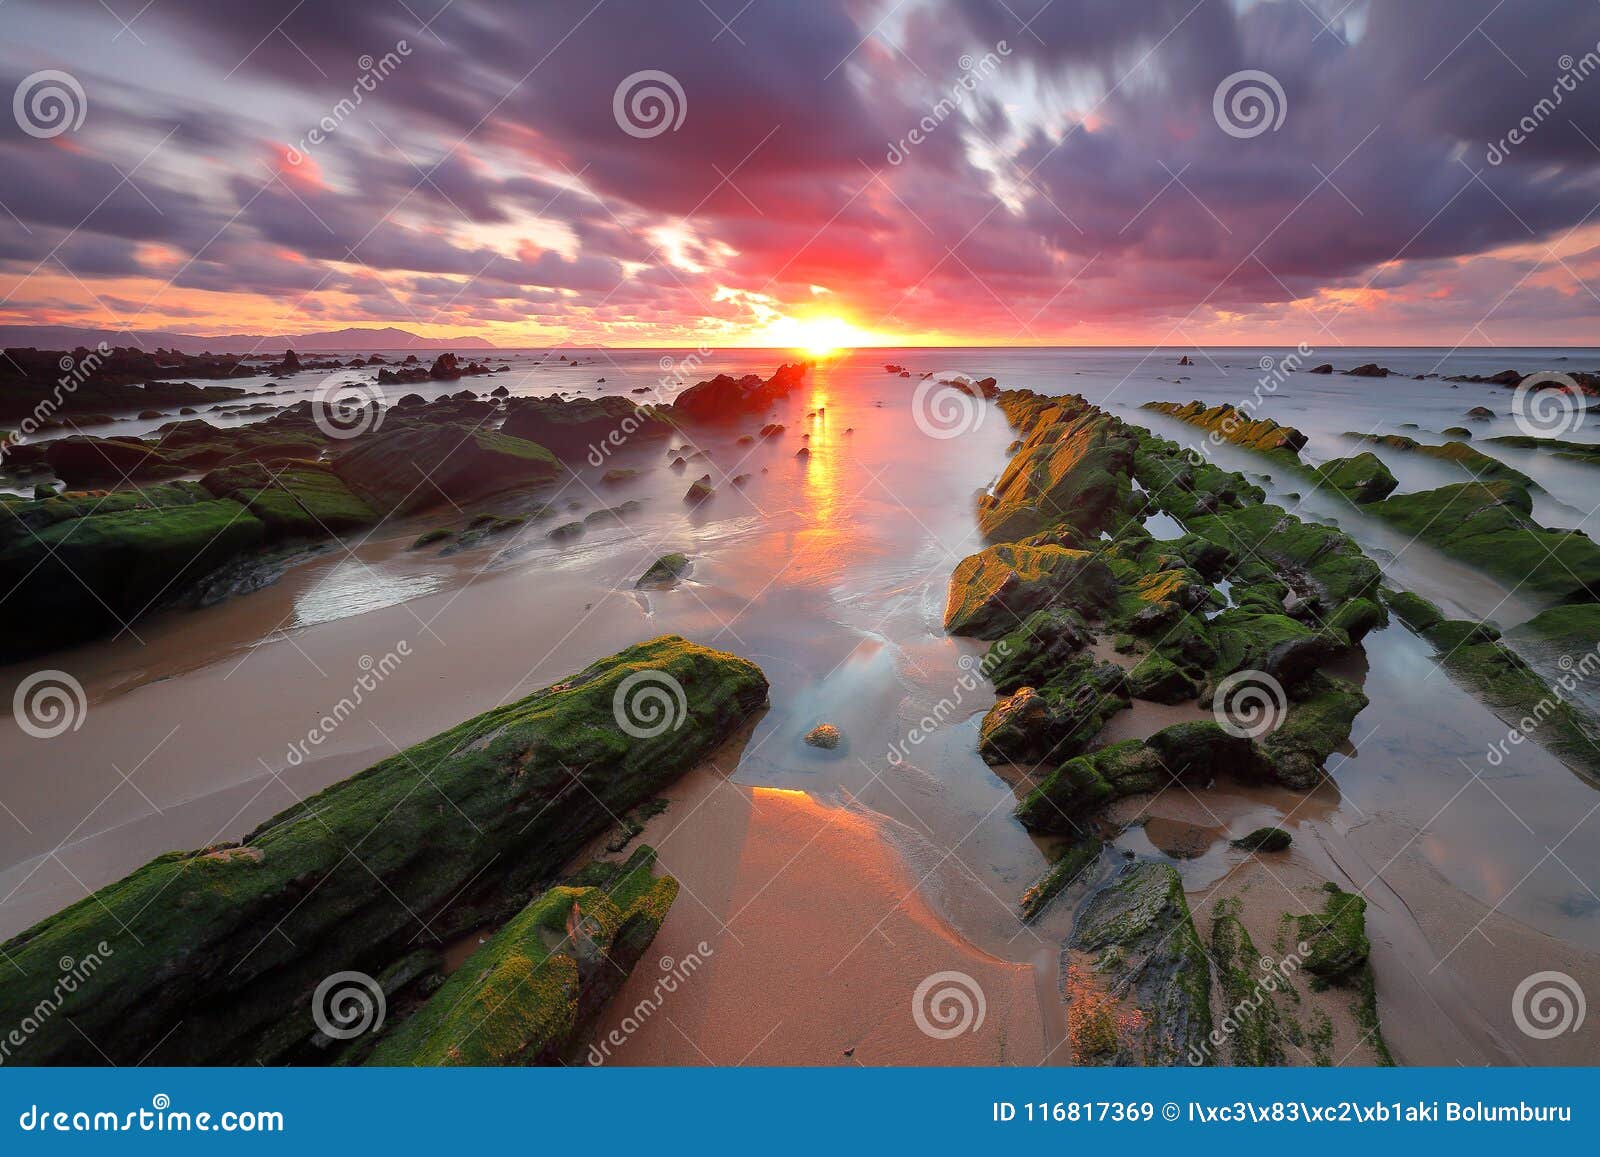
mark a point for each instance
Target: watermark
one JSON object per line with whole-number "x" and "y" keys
{"x": 973, "y": 73}
{"x": 373, "y": 73}
{"x": 74, "y": 372}
{"x": 974, "y": 675}
{"x": 1248, "y": 103}
{"x": 649, "y": 703}
{"x": 48, "y": 103}
{"x": 160, "y": 1117}
{"x": 1547, "y": 1005}
{"x": 1248, "y": 704}
{"x": 348, "y": 1004}
{"x": 345, "y": 409}
{"x": 947, "y": 1004}
{"x": 49, "y": 703}
{"x": 1548, "y": 405}
{"x": 1573, "y": 672}
{"x": 1274, "y": 975}
{"x": 374, "y": 672}
{"x": 674, "y": 974}
{"x": 944, "y": 411}
{"x": 1573, "y": 73}
{"x": 675, "y": 372}
{"x": 74, "y": 974}
{"x": 648, "y": 103}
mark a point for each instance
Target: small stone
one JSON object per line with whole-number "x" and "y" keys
{"x": 824, "y": 735}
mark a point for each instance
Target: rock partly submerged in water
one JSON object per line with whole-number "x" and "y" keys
{"x": 228, "y": 944}
{"x": 725, "y": 398}
{"x": 1264, "y": 840}
{"x": 992, "y": 592}
{"x": 665, "y": 571}
{"x": 410, "y": 469}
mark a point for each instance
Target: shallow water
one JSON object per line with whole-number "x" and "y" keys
{"x": 830, "y": 572}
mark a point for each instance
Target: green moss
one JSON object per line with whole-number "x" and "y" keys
{"x": 429, "y": 537}
{"x": 301, "y": 501}
{"x": 1252, "y": 1023}
{"x": 1072, "y": 469}
{"x": 1159, "y": 680}
{"x": 1481, "y": 466}
{"x": 1233, "y": 425}
{"x": 1316, "y": 725}
{"x": 1264, "y": 840}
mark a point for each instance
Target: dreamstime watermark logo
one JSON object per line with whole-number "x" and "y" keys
{"x": 973, "y": 72}
{"x": 674, "y": 974}
{"x": 48, "y": 103}
{"x": 74, "y": 973}
{"x": 348, "y": 1004}
{"x": 1573, "y": 672}
{"x": 373, "y": 73}
{"x": 1548, "y": 405}
{"x": 648, "y": 103}
{"x": 1274, "y": 975}
{"x": 74, "y": 372}
{"x": 374, "y": 672}
{"x": 344, "y": 409}
{"x": 1248, "y": 704}
{"x": 1573, "y": 73}
{"x": 975, "y": 673}
{"x": 943, "y": 411}
{"x": 649, "y": 703}
{"x": 1249, "y": 102}
{"x": 947, "y": 1004}
{"x": 1547, "y": 1005}
{"x": 49, "y": 703}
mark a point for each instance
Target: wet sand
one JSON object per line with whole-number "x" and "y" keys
{"x": 809, "y": 938}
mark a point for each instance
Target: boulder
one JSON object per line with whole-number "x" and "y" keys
{"x": 725, "y": 398}
{"x": 992, "y": 592}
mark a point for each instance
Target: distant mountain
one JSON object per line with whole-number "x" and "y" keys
{"x": 65, "y": 337}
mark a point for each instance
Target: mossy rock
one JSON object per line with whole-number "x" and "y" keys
{"x": 1230, "y": 424}
{"x": 1141, "y": 937}
{"x": 1362, "y": 478}
{"x": 1316, "y": 725}
{"x": 1482, "y": 467}
{"x": 1069, "y": 867}
{"x": 526, "y": 996}
{"x": 1337, "y": 936}
{"x": 1159, "y": 680}
{"x": 72, "y": 575}
{"x": 1490, "y": 526}
{"x": 1264, "y": 840}
{"x": 306, "y": 500}
{"x": 1072, "y": 469}
{"x": 1037, "y": 650}
{"x": 665, "y": 571}
{"x": 412, "y": 468}
{"x": 992, "y": 592}
{"x": 218, "y": 950}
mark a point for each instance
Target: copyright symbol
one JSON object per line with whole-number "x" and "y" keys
{"x": 1170, "y": 1111}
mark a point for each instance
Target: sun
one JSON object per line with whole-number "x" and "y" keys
{"x": 818, "y": 336}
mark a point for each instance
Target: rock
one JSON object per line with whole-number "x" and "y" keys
{"x": 566, "y": 531}
{"x": 1072, "y": 469}
{"x": 580, "y": 427}
{"x": 725, "y": 398}
{"x": 411, "y": 469}
{"x": 993, "y": 591}
{"x": 429, "y": 537}
{"x": 1324, "y": 368}
{"x": 1481, "y": 413}
{"x": 1457, "y": 432}
{"x": 1070, "y": 867}
{"x": 77, "y": 567}
{"x": 616, "y": 476}
{"x": 1264, "y": 840}
{"x": 823, "y": 735}
{"x": 1362, "y": 479}
{"x": 1159, "y": 680}
{"x": 204, "y": 985}
{"x": 1142, "y": 956}
{"x": 1490, "y": 525}
{"x": 665, "y": 571}
{"x": 1370, "y": 370}
{"x": 80, "y": 460}
{"x": 1185, "y": 360}
{"x": 303, "y": 501}
{"x": 1236, "y": 426}
{"x": 543, "y": 978}
{"x": 1337, "y": 936}
{"x": 699, "y": 491}
{"x": 1481, "y": 466}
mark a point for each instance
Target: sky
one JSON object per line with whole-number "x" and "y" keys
{"x": 832, "y": 172}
